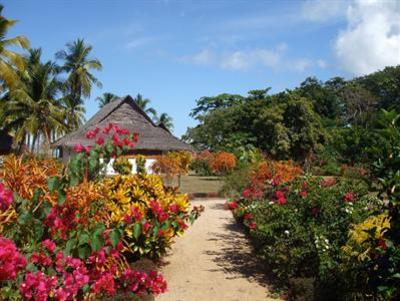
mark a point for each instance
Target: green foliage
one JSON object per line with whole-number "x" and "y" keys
{"x": 122, "y": 166}
{"x": 140, "y": 164}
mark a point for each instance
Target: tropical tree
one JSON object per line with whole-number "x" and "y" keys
{"x": 10, "y": 61}
{"x": 166, "y": 120}
{"x": 32, "y": 107}
{"x": 79, "y": 65}
{"x": 106, "y": 98}
{"x": 143, "y": 104}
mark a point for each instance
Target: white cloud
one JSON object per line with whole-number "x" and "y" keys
{"x": 371, "y": 40}
{"x": 242, "y": 60}
{"x": 203, "y": 57}
{"x": 323, "y": 10}
{"x": 139, "y": 42}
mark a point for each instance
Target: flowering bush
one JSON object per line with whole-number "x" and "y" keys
{"x": 150, "y": 213}
{"x": 222, "y": 162}
{"x": 59, "y": 238}
{"x": 300, "y": 227}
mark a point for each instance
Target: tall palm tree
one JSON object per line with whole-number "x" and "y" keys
{"x": 166, "y": 120}
{"x": 78, "y": 64}
{"x": 10, "y": 61}
{"x": 106, "y": 98}
{"x": 32, "y": 107}
{"x": 143, "y": 104}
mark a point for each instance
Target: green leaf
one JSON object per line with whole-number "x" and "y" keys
{"x": 84, "y": 251}
{"x": 36, "y": 195}
{"x": 38, "y": 230}
{"x": 99, "y": 229}
{"x": 137, "y": 230}
{"x": 61, "y": 197}
{"x": 53, "y": 183}
{"x": 115, "y": 236}
{"x": 85, "y": 288}
{"x": 96, "y": 242}
{"x": 69, "y": 246}
{"x": 24, "y": 218}
{"x": 83, "y": 238}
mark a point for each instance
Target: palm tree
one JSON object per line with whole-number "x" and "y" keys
{"x": 32, "y": 107}
{"x": 106, "y": 98}
{"x": 166, "y": 120}
{"x": 10, "y": 61}
{"x": 143, "y": 103}
{"x": 80, "y": 80}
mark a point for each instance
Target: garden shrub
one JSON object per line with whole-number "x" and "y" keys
{"x": 152, "y": 214}
{"x": 140, "y": 164}
{"x": 300, "y": 227}
{"x": 222, "y": 163}
{"x": 200, "y": 164}
{"x": 122, "y": 166}
{"x": 60, "y": 239}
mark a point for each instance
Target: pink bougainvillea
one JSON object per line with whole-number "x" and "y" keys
{"x": 11, "y": 261}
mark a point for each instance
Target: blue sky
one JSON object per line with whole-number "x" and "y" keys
{"x": 174, "y": 52}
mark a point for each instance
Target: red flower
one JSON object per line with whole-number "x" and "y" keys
{"x": 316, "y": 210}
{"x": 276, "y": 181}
{"x": 303, "y": 194}
{"x": 382, "y": 244}
{"x": 328, "y": 182}
{"x": 247, "y": 216}
{"x": 11, "y": 261}
{"x": 252, "y": 225}
{"x": 232, "y": 205}
{"x": 87, "y": 149}
{"x": 135, "y": 137}
{"x": 127, "y": 218}
{"x": 49, "y": 245}
{"x": 105, "y": 284}
{"x": 246, "y": 193}
{"x": 78, "y": 148}
{"x": 349, "y": 197}
{"x": 100, "y": 141}
{"x": 174, "y": 208}
{"x": 280, "y": 197}
{"x": 91, "y": 134}
{"x": 146, "y": 226}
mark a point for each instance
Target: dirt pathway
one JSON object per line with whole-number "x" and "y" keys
{"x": 213, "y": 261}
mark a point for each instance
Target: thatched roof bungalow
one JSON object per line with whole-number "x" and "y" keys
{"x": 6, "y": 142}
{"x": 124, "y": 112}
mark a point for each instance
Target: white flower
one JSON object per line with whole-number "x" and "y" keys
{"x": 287, "y": 232}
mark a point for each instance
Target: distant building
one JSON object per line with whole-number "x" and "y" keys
{"x": 124, "y": 112}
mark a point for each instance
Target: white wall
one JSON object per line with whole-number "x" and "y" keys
{"x": 110, "y": 170}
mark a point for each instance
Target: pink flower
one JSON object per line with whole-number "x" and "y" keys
{"x": 127, "y": 218}
{"x": 87, "y": 149}
{"x": 6, "y": 197}
{"x": 146, "y": 226}
{"x": 105, "y": 284}
{"x": 174, "y": 208}
{"x": 122, "y": 131}
{"x": 349, "y": 197}
{"x": 246, "y": 193}
{"x": 91, "y": 134}
{"x": 38, "y": 286}
{"x": 160, "y": 233}
{"x": 100, "y": 141}
{"x": 11, "y": 261}
{"x": 49, "y": 245}
{"x": 78, "y": 148}
{"x": 280, "y": 197}
{"x": 136, "y": 214}
{"x": 276, "y": 181}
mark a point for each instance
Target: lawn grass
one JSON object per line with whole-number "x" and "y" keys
{"x": 199, "y": 184}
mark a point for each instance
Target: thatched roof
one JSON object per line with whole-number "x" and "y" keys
{"x": 125, "y": 113}
{"x": 5, "y": 142}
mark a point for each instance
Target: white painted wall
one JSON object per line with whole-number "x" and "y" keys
{"x": 109, "y": 170}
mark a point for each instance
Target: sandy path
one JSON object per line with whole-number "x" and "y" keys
{"x": 213, "y": 261}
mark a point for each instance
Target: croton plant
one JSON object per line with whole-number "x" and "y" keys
{"x": 70, "y": 233}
